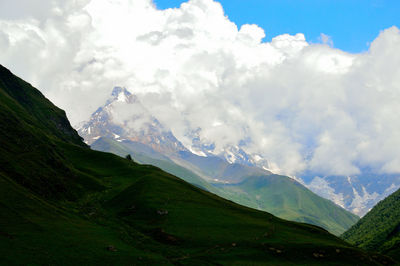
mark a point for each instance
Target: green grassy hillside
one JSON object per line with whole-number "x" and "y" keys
{"x": 279, "y": 195}
{"x": 64, "y": 204}
{"x": 286, "y": 198}
{"x": 145, "y": 155}
{"x": 380, "y": 228}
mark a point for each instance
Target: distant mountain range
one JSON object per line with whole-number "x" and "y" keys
{"x": 124, "y": 126}
{"x": 357, "y": 194}
{"x": 123, "y": 117}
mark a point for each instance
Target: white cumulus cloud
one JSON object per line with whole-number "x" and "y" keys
{"x": 299, "y": 105}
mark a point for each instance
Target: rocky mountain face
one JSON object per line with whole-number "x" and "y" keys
{"x": 123, "y": 117}
{"x": 357, "y": 194}
{"x": 231, "y": 154}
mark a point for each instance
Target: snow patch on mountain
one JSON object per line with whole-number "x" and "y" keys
{"x": 197, "y": 152}
{"x": 362, "y": 199}
{"x": 322, "y": 188}
{"x": 122, "y": 98}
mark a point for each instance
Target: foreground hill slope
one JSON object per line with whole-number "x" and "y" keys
{"x": 380, "y": 228}
{"x": 62, "y": 203}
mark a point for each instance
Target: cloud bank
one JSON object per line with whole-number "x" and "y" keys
{"x": 301, "y": 106}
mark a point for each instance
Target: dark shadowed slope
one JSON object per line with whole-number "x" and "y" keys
{"x": 30, "y": 129}
{"x": 62, "y": 203}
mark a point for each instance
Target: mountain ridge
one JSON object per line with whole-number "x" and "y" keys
{"x": 358, "y": 195}
{"x": 105, "y": 131}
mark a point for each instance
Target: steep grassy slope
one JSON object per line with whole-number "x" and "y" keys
{"x": 29, "y": 126}
{"x": 279, "y": 195}
{"x": 286, "y": 198}
{"x": 380, "y": 228}
{"x": 64, "y": 204}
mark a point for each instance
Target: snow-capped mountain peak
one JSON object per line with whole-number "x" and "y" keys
{"x": 123, "y": 117}
{"x": 117, "y": 91}
{"x": 120, "y": 94}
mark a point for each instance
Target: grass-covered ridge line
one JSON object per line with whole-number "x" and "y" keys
{"x": 286, "y": 198}
{"x": 62, "y": 203}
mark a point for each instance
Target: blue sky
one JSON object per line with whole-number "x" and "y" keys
{"x": 352, "y": 24}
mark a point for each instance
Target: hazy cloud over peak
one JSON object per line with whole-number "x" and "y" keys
{"x": 299, "y": 105}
